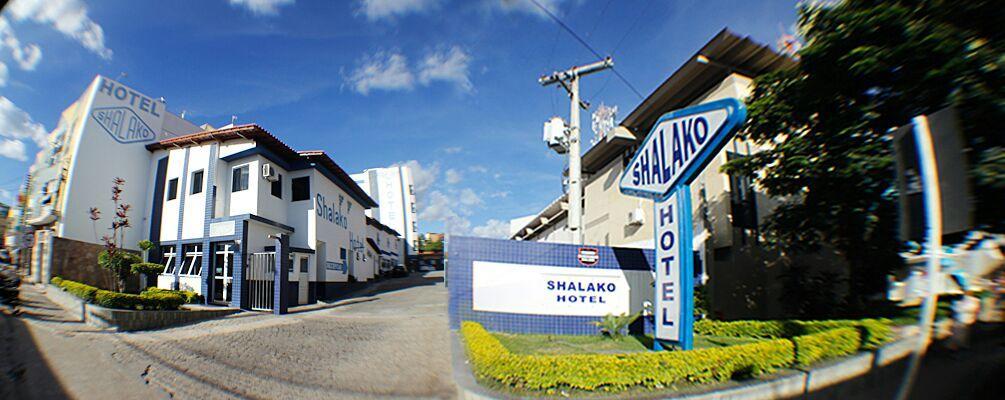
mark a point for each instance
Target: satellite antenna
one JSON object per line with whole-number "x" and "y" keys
{"x": 233, "y": 118}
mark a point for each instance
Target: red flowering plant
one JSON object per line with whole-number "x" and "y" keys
{"x": 114, "y": 258}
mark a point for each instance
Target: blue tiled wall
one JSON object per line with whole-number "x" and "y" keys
{"x": 463, "y": 251}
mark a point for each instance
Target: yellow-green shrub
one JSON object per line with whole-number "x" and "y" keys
{"x": 491, "y": 360}
{"x": 874, "y": 332}
{"x": 166, "y": 300}
{"x": 83, "y": 291}
{"x": 826, "y": 344}
{"x": 189, "y": 296}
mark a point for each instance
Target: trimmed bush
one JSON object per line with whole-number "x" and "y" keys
{"x": 109, "y": 299}
{"x": 83, "y": 291}
{"x": 874, "y": 332}
{"x": 165, "y": 300}
{"x": 491, "y": 360}
{"x": 147, "y": 268}
{"x": 189, "y": 296}
{"x": 826, "y": 344}
{"x": 161, "y": 301}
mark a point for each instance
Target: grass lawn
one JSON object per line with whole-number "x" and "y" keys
{"x": 585, "y": 344}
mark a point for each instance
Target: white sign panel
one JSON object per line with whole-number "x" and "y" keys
{"x": 667, "y": 305}
{"x": 545, "y": 290}
{"x": 680, "y": 143}
{"x": 225, "y": 228}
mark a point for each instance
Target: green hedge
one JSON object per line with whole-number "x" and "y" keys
{"x": 83, "y": 291}
{"x": 491, "y": 360}
{"x": 189, "y": 296}
{"x": 827, "y": 344}
{"x": 167, "y": 300}
{"x": 786, "y": 344}
{"x": 874, "y": 332}
{"x": 147, "y": 268}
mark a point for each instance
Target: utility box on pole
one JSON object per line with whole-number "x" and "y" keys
{"x": 569, "y": 79}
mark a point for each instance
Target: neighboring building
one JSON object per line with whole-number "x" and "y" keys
{"x": 221, "y": 196}
{"x": 393, "y": 189}
{"x": 385, "y": 250}
{"x": 727, "y": 209}
{"x": 431, "y": 251}
{"x": 99, "y": 137}
{"x": 5, "y": 222}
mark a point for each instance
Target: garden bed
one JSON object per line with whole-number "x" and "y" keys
{"x": 543, "y": 365}
{"x": 152, "y": 309}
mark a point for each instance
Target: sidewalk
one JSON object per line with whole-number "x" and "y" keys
{"x": 44, "y": 354}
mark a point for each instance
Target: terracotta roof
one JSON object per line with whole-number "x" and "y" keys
{"x": 264, "y": 138}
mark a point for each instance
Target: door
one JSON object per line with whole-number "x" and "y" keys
{"x": 319, "y": 267}
{"x": 304, "y": 279}
{"x": 223, "y": 272}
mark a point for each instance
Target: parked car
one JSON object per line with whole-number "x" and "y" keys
{"x": 399, "y": 271}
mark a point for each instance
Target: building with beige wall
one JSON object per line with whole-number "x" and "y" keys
{"x": 727, "y": 210}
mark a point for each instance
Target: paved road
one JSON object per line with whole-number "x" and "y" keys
{"x": 390, "y": 343}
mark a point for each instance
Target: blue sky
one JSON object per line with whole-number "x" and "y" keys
{"x": 447, "y": 86}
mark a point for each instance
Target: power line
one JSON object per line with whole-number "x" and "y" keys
{"x": 587, "y": 45}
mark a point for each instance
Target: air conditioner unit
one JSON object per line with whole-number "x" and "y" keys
{"x": 269, "y": 174}
{"x": 636, "y": 217}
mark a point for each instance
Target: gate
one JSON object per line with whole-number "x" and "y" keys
{"x": 261, "y": 280}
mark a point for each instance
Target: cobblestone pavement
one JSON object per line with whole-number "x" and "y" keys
{"x": 391, "y": 343}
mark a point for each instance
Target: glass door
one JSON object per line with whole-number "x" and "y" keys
{"x": 223, "y": 271}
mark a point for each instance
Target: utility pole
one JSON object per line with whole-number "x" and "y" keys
{"x": 569, "y": 79}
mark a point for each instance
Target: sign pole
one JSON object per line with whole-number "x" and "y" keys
{"x": 686, "y": 335}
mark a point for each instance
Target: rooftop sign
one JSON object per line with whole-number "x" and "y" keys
{"x": 680, "y": 144}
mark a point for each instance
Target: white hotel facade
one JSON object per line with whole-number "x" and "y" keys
{"x": 221, "y": 205}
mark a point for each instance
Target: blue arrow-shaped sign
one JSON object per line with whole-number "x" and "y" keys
{"x": 679, "y": 146}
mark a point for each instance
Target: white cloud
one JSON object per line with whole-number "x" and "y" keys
{"x": 468, "y": 197}
{"x": 423, "y": 177}
{"x": 3, "y": 74}
{"x": 442, "y": 208}
{"x": 383, "y": 71}
{"x": 453, "y": 149}
{"x": 13, "y": 148}
{"x": 448, "y": 66}
{"x": 479, "y": 169}
{"x": 26, "y": 56}
{"x": 453, "y": 176}
{"x": 493, "y": 228}
{"x": 526, "y": 6}
{"x": 261, "y": 7}
{"x": 16, "y": 124}
{"x": 377, "y": 9}
{"x": 68, "y": 17}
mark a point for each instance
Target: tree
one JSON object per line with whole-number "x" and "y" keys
{"x": 114, "y": 258}
{"x": 868, "y": 67}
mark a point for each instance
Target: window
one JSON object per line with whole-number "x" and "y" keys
{"x": 197, "y": 182}
{"x": 172, "y": 189}
{"x": 277, "y": 186}
{"x": 342, "y": 253}
{"x": 240, "y": 181}
{"x": 303, "y": 265}
{"x": 193, "y": 260}
{"x": 301, "y": 188}
{"x": 167, "y": 259}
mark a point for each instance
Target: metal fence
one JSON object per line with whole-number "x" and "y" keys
{"x": 261, "y": 280}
